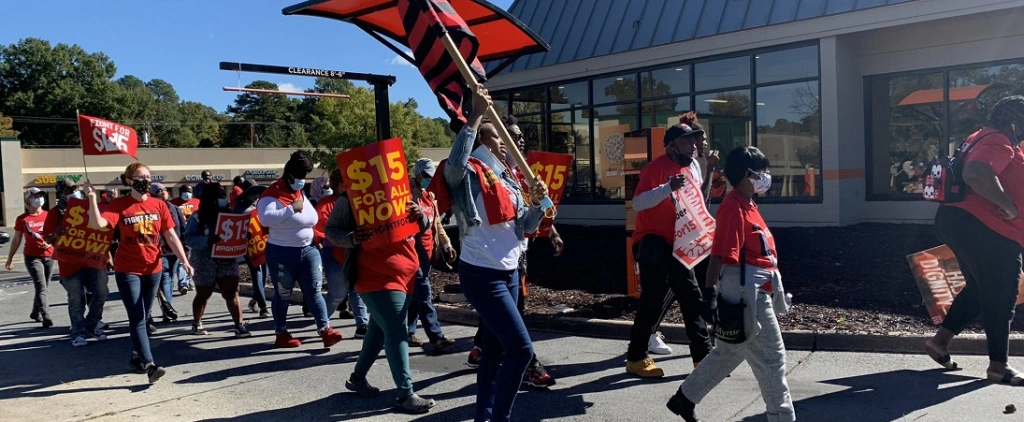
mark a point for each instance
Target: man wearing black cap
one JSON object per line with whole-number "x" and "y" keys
{"x": 652, "y": 248}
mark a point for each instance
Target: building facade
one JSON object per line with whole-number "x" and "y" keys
{"x": 848, "y": 99}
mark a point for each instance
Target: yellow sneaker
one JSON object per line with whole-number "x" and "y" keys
{"x": 644, "y": 368}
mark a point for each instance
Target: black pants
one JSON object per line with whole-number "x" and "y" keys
{"x": 991, "y": 264}
{"x": 656, "y": 281}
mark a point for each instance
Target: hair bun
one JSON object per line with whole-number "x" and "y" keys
{"x": 688, "y": 118}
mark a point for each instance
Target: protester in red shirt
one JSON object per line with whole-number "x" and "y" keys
{"x": 141, "y": 221}
{"x": 186, "y": 201}
{"x": 986, "y": 234}
{"x": 333, "y": 258}
{"x": 38, "y": 252}
{"x": 743, "y": 247}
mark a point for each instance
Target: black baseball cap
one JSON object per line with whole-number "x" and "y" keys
{"x": 65, "y": 185}
{"x": 680, "y": 131}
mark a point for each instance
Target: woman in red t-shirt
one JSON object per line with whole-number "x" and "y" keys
{"x": 141, "y": 221}
{"x": 38, "y": 253}
{"x": 742, "y": 239}
{"x": 986, "y": 234}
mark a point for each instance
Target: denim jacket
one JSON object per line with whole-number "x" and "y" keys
{"x": 464, "y": 186}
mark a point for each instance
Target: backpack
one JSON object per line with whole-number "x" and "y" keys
{"x": 944, "y": 182}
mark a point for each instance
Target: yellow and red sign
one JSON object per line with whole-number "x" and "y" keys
{"x": 257, "y": 248}
{"x": 377, "y": 183}
{"x": 231, "y": 230}
{"x": 939, "y": 279}
{"x": 553, "y": 169}
{"x": 77, "y": 244}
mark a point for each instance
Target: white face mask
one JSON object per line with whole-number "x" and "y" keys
{"x": 763, "y": 182}
{"x": 38, "y": 202}
{"x": 186, "y": 195}
{"x": 485, "y": 155}
{"x": 222, "y": 202}
{"x": 328, "y": 192}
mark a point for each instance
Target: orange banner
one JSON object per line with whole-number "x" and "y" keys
{"x": 231, "y": 230}
{"x": 938, "y": 276}
{"x": 77, "y": 244}
{"x": 378, "y": 187}
{"x": 553, "y": 169}
{"x": 257, "y": 241}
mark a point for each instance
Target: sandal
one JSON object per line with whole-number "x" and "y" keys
{"x": 945, "y": 360}
{"x": 1009, "y": 376}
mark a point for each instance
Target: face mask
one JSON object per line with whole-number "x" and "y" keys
{"x": 763, "y": 183}
{"x": 141, "y": 186}
{"x": 485, "y": 155}
{"x": 425, "y": 182}
{"x": 222, "y": 202}
{"x": 77, "y": 195}
{"x": 328, "y": 192}
{"x": 186, "y": 196}
{"x": 298, "y": 184}
{"x": 38, "y": 202}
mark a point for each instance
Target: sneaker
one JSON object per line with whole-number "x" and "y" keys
{"x": 416, "y": 341}
{"x": 78, "y": 342}
{"x": 155, "y": 372}
{"x": 35, "y": 317}
{"x": 242, "y": 331}
{"x": 47, "y": 322}
{"x": 199, "y": 330}
{"x": 644, "y": 368}
{"x": 474, "y": 358}
{"x": 361, "y": 332}
{"x": 252, "y": 305}
{"x": 415, "y": 404}
{"x": 330, "y": 337}
{"x": 100, "y": 326}
{"x": 150, "y": 328}
{"x": 183, "y": 290}
{"x": 682, "y": 406}
{"x": 98, "y": 335}
{"x": 264, "y": 313}
{"x": 170, "y": 314}
{"x": 286, "y": 341}
{"x": 135, "y": 362}
{"x": 657, "y": 345}
{"x": 346, "y": 314}
{"x": 442, "y": 344}
{"x": 537, "y": 377}
{"x": 361, "y": 387}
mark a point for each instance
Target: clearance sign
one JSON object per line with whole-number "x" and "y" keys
{"x": 553, "y": 169}
{"x": 378, "y": 187}
{"x": 77, "y": 244}
{"x": 939, "y": 279}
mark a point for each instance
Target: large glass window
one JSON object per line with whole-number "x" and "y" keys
{"x": 673, "y": 80}
{"x": 726, "y": 119}
{"x": 500, "y": 103}
{"x": 972, "y": 92}
{"x": 664, "y": 112}
{"x": 611, "y": 123}
{"x": 722, "y": 73}
{"x": 615, "y": 89}
{"x": 788, "y": 128}
{"x": 787, "y": 65}
{"x": 569, "y": 95}
{"x": 570, "y": 134}
{"x": 528, "y": 101}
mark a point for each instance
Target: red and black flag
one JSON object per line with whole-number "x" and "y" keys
{"x": 425, "y": 22}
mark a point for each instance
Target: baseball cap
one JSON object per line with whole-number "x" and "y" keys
{"x": 156, "y": 187}
{"x": 679, "y": 131}
{"x": 32, "y": 191}
{"x": 424, "y": 165}
{"x": 65, "y": 185}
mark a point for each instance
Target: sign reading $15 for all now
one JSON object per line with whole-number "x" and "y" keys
{"x": 377, "y": 183}
{"x": 553, "y": 169}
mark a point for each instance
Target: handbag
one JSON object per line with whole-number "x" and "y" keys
{"x": 731, "y": 326}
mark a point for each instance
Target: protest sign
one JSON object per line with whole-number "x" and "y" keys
{"x": 939, "y": 279}
{"x": 378, "y": 187}
{"x": 553, "y": 169}
{"x": 257, "y": 241}
{"x": 695, "y": 227}
{"x": 231, "y": 230}
{"x": 77, "y": 244}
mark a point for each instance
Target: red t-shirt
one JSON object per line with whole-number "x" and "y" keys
{"x": 141, "y": 224}
{"x": 186, "y": 207}
{"x": 389, "y": 267}
{"x": 739, "y": 224}
{"x": 427, "y": 238}
{"x": 233, "y": 196}
{"x": 1007, "y": 162}
{"x": 53, "y": 222}
{"x": 658, "y": 220}
{"x": 31, "y": 229}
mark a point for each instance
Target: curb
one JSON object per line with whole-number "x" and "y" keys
{"x": 965, "y": 344}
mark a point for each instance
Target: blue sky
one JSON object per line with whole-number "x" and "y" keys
{"x": 183, "y": 42}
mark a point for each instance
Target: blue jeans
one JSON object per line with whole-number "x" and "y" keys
{"x": 290, "y": 265}
{"x": 386, "y": 330}
{"x": 422, "y": 306}
{"x": 258, "y": 275}
{"x": 93, "y": 281}
{"x": 138, "y": 293}
{"x": 507, "y": 349}
{"x": 170, "y": 264}
{"x": 337, "y": 288}
{"x": 179, "y": 270}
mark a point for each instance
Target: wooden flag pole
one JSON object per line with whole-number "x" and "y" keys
{"x": 85, "y": 166}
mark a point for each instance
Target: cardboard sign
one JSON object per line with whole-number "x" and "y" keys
{"x": 939, "y": 279}
{"x": 378, "y": 187}
{"x": 102, "y": 137}
{"x": 553, "y": 169}
{"x": 77, "y": 244}
{"x": 257, "y": 248}
{"x": 695, "y": 227}
{"x": 231, "y": 230}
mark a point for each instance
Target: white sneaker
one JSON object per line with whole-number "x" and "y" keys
{"x": 78, "y": 342}
{"x": 657, "y": 345}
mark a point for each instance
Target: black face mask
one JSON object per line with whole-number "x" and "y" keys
{"x": 141, "y": 186}
{"x": 679, "y": 158}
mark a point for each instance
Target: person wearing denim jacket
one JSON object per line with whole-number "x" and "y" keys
{"x": 490, "y": 255}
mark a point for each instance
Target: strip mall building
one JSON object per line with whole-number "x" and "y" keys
{"x": 849, "y": 99}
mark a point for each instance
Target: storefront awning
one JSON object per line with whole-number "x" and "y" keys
{"x": 501, "y": 35}
{"x": 932, "y": 96}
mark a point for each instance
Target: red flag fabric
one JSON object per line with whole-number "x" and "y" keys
{"x": 425, "y": 22}
{"x": 102, "y": 137}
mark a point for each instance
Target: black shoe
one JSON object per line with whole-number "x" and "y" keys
{"x": 35, "y": 317}
{"x": 150, "y": 328}
{"x": 252, "y": 305}
{"x": 346, "y": 314}
{"x": 135, "y": 362}
{"x": 682, "y": 406}
{"x": 537, "y": 377}
{"x": 155, "y": 372}
{"x": 47, "y": 323}
{"x": 361, "y": 332}
{"x": 305, "y": 311}
{"x": 170, "y": 315}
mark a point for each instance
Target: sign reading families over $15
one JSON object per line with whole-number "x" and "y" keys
{"x": 231, "y": 230}
{"x": 378, "y": 188}
{"x": 939, "y": 279}
{"x": 695, "y": 227}
{"x": 553, "y": 169}
{"x": 77, "y": 244}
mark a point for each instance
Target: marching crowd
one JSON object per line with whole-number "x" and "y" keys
{"x": 313, "y": 239}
